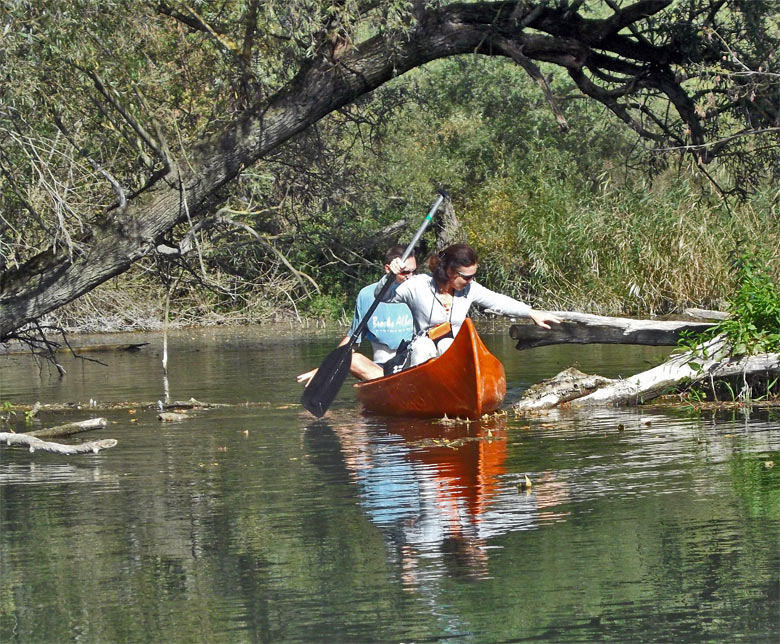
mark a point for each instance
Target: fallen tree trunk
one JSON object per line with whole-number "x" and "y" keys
{"x": 58, "y": 448}
{"x": 659, "y": 380}
{"x": 576, "y": 389}
{"x": 584, "y": 328}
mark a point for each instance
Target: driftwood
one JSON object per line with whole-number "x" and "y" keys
{"x": 583, "y": 328}
{"x": 112, "y": 406}
{"x": 69, "y": 428}
{"x": 34, "y": 444}
{"x": 576, "y": 389}
{"x": 568, "y": 385}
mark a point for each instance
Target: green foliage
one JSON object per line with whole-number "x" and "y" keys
{"x": 559, "y": 218}
{"x": 6, "y": 411}
{"x": 753, "y": 325}
{"x": 325, "y": 307}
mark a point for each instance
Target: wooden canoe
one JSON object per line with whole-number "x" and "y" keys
{"x": 465, "y": 381}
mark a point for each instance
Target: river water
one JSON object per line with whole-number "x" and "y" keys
{"x": 262, "y": 524}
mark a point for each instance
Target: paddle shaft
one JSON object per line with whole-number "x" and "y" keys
{"x": 322, "y": 389}
{"x": 389, "y": 277}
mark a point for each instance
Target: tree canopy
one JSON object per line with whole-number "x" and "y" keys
{"x": 121, "y": 121}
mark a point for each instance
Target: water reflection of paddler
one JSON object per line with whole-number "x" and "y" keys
{"x": 440, "y": 302}
{"x": 389, "y": 326}
{"x": 440, "y": 494}
{"x": 426, "y": 487}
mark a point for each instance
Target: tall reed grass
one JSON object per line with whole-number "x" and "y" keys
{"x": 639, "y": 250}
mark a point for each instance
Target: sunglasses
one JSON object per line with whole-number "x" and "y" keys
{"x": 410, "y": 272}
{"x": 467, "y": 277}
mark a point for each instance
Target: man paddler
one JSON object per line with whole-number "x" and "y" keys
{"x": 389, "y": 325}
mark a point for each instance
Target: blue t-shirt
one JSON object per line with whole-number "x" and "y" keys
{"x": 389, "y": 324}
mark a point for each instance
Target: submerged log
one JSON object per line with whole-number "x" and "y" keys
{"x": 172, "y": 417}
{"x": 130, "y": 347}
{"x": 58, "y": 448}
{"x": 584, "y": 328}
{"x": 69, "y": 428}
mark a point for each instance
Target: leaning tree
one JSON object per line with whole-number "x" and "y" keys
{"x": 120, "y": 121}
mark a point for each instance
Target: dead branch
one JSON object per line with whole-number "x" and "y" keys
{"x": 57, "y": 448}
{"x": 219, "y": 218}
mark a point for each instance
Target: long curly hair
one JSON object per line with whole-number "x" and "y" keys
{"x": 455, "y": 256}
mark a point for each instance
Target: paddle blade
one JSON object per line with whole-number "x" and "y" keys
{"x": 325, "y": 385}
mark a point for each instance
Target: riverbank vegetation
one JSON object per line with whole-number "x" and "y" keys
{"x": 752, "y": 328}
{"x": 567, "y": 207}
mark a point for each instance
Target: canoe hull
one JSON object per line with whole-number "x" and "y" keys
{"x": 466, "y": 381}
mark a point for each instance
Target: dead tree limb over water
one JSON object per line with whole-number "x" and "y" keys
{"x": 584, "y": 328}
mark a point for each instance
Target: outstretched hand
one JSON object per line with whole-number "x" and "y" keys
{"x": 543, "y": 319}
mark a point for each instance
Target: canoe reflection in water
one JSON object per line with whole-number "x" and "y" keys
{"x": 441, "y": 494}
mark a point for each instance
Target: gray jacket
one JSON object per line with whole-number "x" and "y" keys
{"x": 419, "y": 294}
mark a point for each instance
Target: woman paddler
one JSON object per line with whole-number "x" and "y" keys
{"x": 440, "y": 302}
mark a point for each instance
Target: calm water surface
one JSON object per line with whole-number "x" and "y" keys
{"x": 260, "y": 523}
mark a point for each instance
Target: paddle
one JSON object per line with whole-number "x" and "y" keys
{"x": 322, "y": 389}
